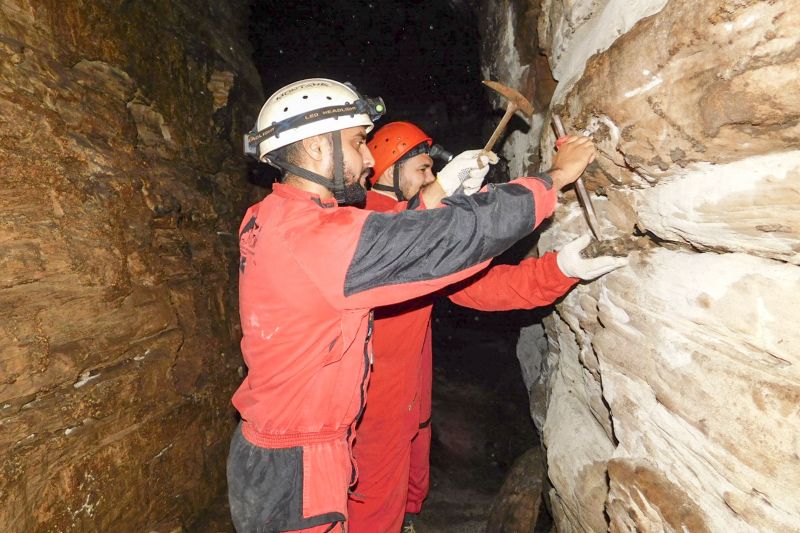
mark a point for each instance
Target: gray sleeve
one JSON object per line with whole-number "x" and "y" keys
{"x": 410, "y": 246}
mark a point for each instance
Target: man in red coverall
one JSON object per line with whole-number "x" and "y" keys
{"x": 310, "y": 272}
{"x": 393, "y": 444}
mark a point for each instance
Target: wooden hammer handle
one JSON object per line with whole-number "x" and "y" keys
{"x": 510, "y": 110}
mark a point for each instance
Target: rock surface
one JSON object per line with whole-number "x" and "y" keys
{"x": 668, "y": 399}
{"x": 519, "y": 504}
{"x": 120, "y": 196}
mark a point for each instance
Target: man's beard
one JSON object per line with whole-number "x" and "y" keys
{"x": 354, "y": 193}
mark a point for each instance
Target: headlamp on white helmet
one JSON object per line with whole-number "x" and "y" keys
{"x": 307, "y": 108}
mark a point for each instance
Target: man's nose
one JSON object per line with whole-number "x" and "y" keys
{"x": 429, "y": 177}
{"x": 369, "y": 161}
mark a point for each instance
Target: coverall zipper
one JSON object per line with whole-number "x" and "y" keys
{"x": 367, "y": 365}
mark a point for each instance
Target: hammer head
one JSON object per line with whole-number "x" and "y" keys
{"x": 512, "y": 96}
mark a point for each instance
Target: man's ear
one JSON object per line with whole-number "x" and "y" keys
{"x": 387, "y": 176}
{"x": 317, "y": 146}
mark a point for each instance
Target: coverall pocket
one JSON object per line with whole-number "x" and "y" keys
{"x": 335, "y": 351}
{"x": 348, "y": 333}
{"x": 326, "y": 477}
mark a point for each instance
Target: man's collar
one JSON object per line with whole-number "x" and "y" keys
{"x": 385, "y": 193}
{"x": 295, "y": 193}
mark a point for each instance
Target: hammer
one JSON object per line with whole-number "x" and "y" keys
{"x": 516, "y": 102}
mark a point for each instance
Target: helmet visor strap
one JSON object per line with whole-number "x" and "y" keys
{"x": 395, "y": 187}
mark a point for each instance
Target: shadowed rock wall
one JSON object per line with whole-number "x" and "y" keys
{"x": 668, "y": 399}
{"x": 121, "y": 190}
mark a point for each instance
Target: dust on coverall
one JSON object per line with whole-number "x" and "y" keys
{"x": 393, "y": 443}
{"x": 310, "y": 274}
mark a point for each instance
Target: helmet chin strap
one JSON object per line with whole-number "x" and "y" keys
{"x": 338, "y": 168}
{"x": 395, "y": 187}
{"x": 337, "y": 187}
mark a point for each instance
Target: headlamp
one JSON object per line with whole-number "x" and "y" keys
{"x": 438, "y": 152}
{"x": 374, "y": 108}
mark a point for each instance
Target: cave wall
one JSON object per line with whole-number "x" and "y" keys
{"x": 122, "y": 189}
{"x": 668, "y": 397}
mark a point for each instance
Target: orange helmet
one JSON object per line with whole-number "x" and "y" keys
{"x": 394, "y": 140}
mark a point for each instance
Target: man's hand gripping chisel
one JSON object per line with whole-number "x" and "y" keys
{"x": 586, "y": 202}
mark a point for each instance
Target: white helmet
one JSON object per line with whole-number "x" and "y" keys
{"x": 306, "y": 108}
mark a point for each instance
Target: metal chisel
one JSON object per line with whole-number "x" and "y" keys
{"x": 583, "y": 196}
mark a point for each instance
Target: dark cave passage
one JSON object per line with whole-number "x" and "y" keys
{"x": 481, "y": 422}
{"x": 422, "y": 57}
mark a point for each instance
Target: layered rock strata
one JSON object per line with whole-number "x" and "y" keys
{"x": 121, "y": 193}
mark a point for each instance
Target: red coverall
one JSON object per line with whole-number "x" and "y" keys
{"x": 310, "y": 273}
{"x": 393, "y": 443}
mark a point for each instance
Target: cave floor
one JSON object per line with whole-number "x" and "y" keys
{"x": 469, "y": 457}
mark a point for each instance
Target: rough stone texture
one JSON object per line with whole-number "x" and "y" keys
{"x": 570, "y": 32}
{"x": 120, "y": 196}
{"x": 668, "y": 400}
{"x": 518, "y": 506}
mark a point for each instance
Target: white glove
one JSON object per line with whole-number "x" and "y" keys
{"x": 464, "y": 174}
{"x": 574, "y": 266}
